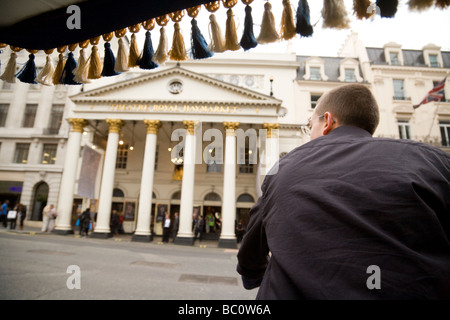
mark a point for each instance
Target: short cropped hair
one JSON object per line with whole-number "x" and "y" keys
{"x": 351, "y": 104}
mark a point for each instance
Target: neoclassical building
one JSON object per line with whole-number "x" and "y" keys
{"x": 195, "y": 138}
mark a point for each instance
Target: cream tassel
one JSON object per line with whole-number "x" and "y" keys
{"x": 161, "y": 54}
{"x": 217, "y": 39}
{"x": 45, "y": 77}
{"x": 268, "y": 31}
{"x": 82, "y": 69}
{"x": 334, "y": 14}
{"x": 287, "y": 22}
{"x": 10, "y": 70}
{"x": 121, "y": 64}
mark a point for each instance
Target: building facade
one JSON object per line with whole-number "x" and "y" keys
{"x": 196, "y": 138}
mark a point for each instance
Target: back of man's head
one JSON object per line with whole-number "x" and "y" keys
{"x": 351, "y": 104}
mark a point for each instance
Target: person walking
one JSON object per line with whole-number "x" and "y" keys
{"x": 85, "y": 220}
{"x": 199, "y": 225}
{"x": 175, "y": 226}
{"x": 46, "y": 217}
{"x": 12, "y": 217}
{"x": 350, "y": 216}
{"x": 4, "y": 213}
{"x": 166, "y": 227}
{"x": 22, "y": 213}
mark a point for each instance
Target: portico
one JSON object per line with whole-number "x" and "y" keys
{"x": 136, "y": 122}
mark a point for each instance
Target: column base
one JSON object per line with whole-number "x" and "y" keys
{"x": 142, "y": 238}
{"x": 227, "y": 243}
{"x": 184, "y": 241}
{"x": 101, "y": 235}
{"x": 62, "y": 232}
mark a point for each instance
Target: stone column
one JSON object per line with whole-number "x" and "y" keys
{"x": 272, "y": 153}
{"x": 185, "y": 235}
{"x": 102, "y": 229}
{"x": 66, "y": 191}
{"x": 143, "y": 232}
{"x": 228, "y": 234}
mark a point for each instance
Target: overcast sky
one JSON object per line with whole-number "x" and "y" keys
{"x": 411, "y": 29}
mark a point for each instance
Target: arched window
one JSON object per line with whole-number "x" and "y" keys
{"x": 39, "y": 201}
{"x": 118, "y": 193}
{"x": 176, "y": 195}
{"x": 212, "y": 196}
{"x": 245, "y": 197}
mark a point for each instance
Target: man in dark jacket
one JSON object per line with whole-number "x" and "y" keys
{"x": 349, "y": 216}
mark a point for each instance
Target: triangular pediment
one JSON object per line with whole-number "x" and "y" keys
{"x": 174, "y": 85}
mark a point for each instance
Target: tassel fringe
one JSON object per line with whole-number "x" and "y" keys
{"x": 178, "y": 51}
{"x": 420, "y": 5}
{"x": 28, "y": 72}
{"x": 161, "y": 54}
{"x": 334, "y": 14}
{"x": 217, "y": 39}
{"x": 268, "y": 31}
{"x": 59, "y": 69}
{"x": 303, "y": 25}
{"x": 10, "y": 70}
{"x": 360, "y": 9}
{"x": 82, "y": 69}
{"x": 134, "y": 52}
{"x": 231, "y": 38}
{"x": 45, "y": 76}
{"x": 287, "y": 22}
{"x": 248, "y": 40}
{"x": 388, "y": 8}
{"x": 121, "y": 64}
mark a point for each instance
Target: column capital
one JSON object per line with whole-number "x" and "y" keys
{"x": 77, "y": 124}
{"x": 231, "y": 125}
{"x": 152, "y": 126}
{"x": 269, "y": 127}
{"x": 190, "y": 126}
{"x": 114, "y": 125}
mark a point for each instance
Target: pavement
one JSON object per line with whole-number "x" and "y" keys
{"x": 37, "y": 265}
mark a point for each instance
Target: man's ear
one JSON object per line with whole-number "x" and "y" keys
{"x": 330, "y": 123}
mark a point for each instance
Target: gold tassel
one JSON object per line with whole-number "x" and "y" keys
{"x": 420, "y": 5}
{"x": 268, "y": 31}
{"x": 121, "y": 64}
{"x": 178, "y": 50}
{"x": 10, "y": 70}
{"x": 45, "y": 77}
{"x": 360, "y": 9}
{"x": 95, "y": 64}
{"x": 60, "y": 66}
{"x": 161, "y": 53}
{"x": 217, "y": 39}
{"x": 231, "y": 38}
{"x": 287, "y": 22}
{"x": 334, "y": 14}
{"x": 134, "y": 54}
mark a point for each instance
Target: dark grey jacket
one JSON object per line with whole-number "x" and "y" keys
{"x": 344, "y": 204}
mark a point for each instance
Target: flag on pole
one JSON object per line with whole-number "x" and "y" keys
{"x": 435, "y": 94}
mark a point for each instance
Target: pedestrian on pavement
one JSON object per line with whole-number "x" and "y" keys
{"x": 175, "y": 226}
{"x": 350, "y": 216}
{"x": 199, "y": 225}
{"x": 239, "y": 231}
{"x": 13, "y": 218}
{"x": 115, "y": 223}
{"x": 4, "y": 213}
{"x": 166, "y": 227}
{"x": 22, "y": 213}
{"x": 52, "y": 220}
{"x": 85, "y": 220}
{"x": 46, "y": 217}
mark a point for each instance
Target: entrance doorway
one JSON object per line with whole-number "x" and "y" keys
{"x": 39, "y": 201}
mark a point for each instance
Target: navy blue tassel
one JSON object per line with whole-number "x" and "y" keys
{"x": 28, "y": 72}
{"x": 109, "y": 62}
{"x": 303, "y": 25}
{"x": 388, "y": 8}
{"x": 145, "y": 61}
{"x": 198, "y": 43}
{"x": 67, "y": 76}
{"x": 248, "y": 40}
